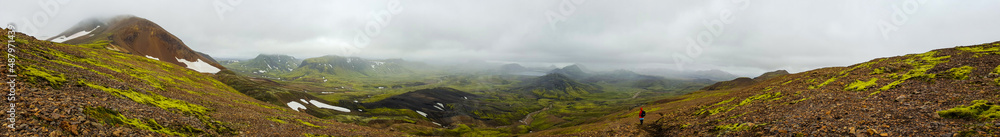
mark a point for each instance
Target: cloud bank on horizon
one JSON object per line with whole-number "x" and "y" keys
{"x": 744, "y": 37}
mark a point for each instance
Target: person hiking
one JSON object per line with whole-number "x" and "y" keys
{"x": 642, "y": 114}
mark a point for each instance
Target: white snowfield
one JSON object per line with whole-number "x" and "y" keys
{"x": 299, "y": 106}
{"x": 421, "y": 113}
{"x": 151, "y": 57}
{"x": 61, "y": 39}
{"x": 296, "y": 105}
{"x": 199, "y": 66}
{"x": 327, "y": 106}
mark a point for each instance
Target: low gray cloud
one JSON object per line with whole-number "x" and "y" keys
{"x": 631, "y": 34}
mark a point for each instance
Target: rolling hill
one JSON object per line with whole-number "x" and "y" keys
{"x": 558, "y": 86}
{"x": 316, "y": 69}
{"x": 268, "y": 66}
{"x": 138, "y": 36}
{"x": 944, "y": 92}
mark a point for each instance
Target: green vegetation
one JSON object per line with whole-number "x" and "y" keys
{"x": 765, "y": 96}
{"x": 960, "y": 73}
{"x": 100, "y": 44}
{"x": 277, "y": 120}
{"x": 828, "y": 81}
{"x": 996, "y": 71}
{"x": 153, "y": 99}
{"x": 54, "y": 80}
{"x": 921, "y": 63}
{"x": 749, "y": 100}
{"x": 979, "y": 49}
{"x": 395, "y": 112}
{"x": 790, "y": 81}
{"x": 735, "y": 127}
{"x": 260, "y": 105}
{"x": 845, "y": 73}
{"x": 980, "y": 109}
{"x": 308, "y": 124}
{"x": 861, "y": 85}
{"x": 108, "y": 116}
{"x": 716, "y": 110}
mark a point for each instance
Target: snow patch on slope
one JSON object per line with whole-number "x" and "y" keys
{"x": 296, "y": 105}
{"x": 151, "y": 57}
{"x": 199, "y": 66}
{"x": 421, "y": 113}
{"x": 327, "y": 106}
{"x": 61, "y": 39}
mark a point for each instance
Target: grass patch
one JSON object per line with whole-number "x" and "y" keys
{"x": 861, "y": 85}
{"x": 921, "y": 64}
{"x": 108, "y": 116}
{"x": 979, "y": 49}
{"x": 260, "y": 105}
{"x": 764, "y": 96}
{"x": 277, "y": 120}
{"x": 749, "y": 100}
{"x": 845, "y": 73}
{"x": 35, "y": 73}
{"x": 828, "y": 81}
{"x": 790, "y": 81}
{"x": 960, "y": 73}
{"x": 153, "y": 99}
{"x": 705, "y": 109}
{"x": 980, "y": 109}
{"x": 100, "y": 44}
{"x": 996, "y": 71}
{"x": 395, "y": 112}
{"x": 308, "y": 124}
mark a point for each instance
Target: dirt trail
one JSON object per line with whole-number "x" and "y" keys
{"x": 527, "y": 119}
{"x": 636, "y": 94}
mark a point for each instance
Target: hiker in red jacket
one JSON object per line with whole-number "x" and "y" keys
{"x": 642, "y": 114}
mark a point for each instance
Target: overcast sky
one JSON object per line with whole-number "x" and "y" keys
{"x": 751, "y": 37}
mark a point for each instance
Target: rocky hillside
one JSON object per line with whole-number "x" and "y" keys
{"x": 944, "y": 92}
{"x": 94, "y": 90}
{"x": 138, "y": 36}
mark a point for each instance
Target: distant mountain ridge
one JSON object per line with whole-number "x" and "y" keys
{"x": 575, "y": 71}
{"x": 744, "y": 81}
{"x": 354, "y": 66}
{"x": 264, "y": 64}
{"x": 714, "y": 75}
{"x": 558, "y": 86}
